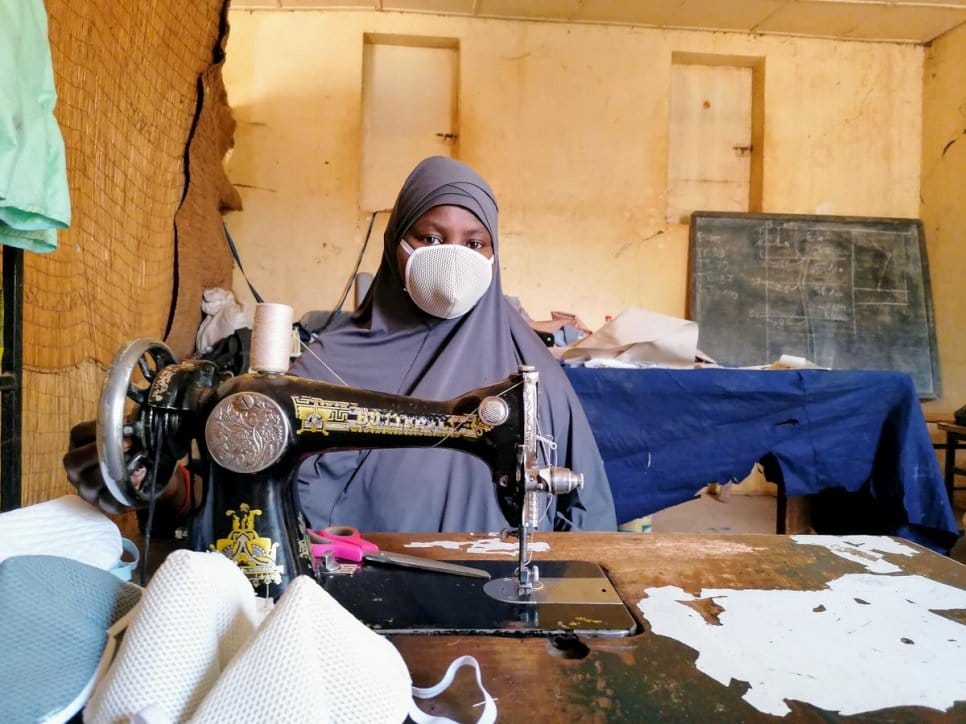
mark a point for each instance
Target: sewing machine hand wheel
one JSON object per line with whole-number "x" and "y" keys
{"x": 123, "y": 416}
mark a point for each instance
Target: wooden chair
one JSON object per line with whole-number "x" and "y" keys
{"x": 955, "y": 440}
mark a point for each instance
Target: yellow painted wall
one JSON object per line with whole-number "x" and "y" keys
{"x": 569, "y": 125}
{"x": 944, "y": 206}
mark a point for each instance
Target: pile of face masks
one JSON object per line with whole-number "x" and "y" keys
{"x": 202, "y": 649}
{"x": 198, "y": 645}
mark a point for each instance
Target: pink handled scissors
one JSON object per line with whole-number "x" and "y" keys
{"x": 344, "y": 542}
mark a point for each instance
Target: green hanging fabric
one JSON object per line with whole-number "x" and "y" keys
{"x": 34, "y": 198}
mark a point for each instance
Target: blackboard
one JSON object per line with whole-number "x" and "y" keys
{"x": 843, "y": 292}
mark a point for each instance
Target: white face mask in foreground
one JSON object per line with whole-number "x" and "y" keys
{"x": 203, "y": 649}
{"x": 446, "y": 280}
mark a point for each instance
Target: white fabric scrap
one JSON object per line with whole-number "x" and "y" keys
{"x": 223, "y": 315}
{"x": 788, "y": 362}
{"x": 638, "y": 337}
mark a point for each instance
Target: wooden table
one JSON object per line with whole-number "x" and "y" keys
{"x": 647, "y": 677}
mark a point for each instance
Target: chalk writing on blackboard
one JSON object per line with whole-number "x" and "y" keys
{"x": 844, "y": 292}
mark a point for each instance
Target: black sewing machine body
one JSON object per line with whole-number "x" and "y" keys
{"x": 253, "y": 430}
{"x": 259, "y": 427}
{"x": 249, "y": 434}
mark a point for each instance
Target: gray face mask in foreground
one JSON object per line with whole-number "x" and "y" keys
{"x": 60, "y": 619}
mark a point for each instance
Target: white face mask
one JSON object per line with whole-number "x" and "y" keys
{"x": 84, "y": 533}
{"x": 446, "y": 280}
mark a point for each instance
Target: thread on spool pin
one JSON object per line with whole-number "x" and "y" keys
{"x": 271, "y": 338}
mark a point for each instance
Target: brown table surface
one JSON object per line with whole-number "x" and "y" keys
{"x": 646, "y": 677}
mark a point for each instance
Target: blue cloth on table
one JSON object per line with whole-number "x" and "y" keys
{"x": 666, "y": 433}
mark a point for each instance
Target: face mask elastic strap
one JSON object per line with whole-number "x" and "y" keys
{"x": 124, "y": 569}
{"x": 487, "y": 716}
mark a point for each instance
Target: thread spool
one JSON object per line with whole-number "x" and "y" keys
{"x": 271, "y": 338}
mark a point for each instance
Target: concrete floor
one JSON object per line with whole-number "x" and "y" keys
{"x": 751, "y": 514}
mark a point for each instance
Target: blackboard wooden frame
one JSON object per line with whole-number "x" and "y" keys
{"x": 846, "y": 292}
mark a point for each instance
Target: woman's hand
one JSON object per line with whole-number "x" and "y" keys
{"x": 84, "y": 472}
{"x": 84, "y": 469}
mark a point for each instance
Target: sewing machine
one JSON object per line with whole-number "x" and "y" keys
{"x": 251, "y": 431}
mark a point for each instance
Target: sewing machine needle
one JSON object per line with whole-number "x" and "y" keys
{"x": 428, "y": 564}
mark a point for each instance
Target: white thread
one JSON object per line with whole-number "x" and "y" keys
{"x": 547, "y": 446}
{"x": 271, "y": 338}
{"x": 322, "y": 361}
{"x": 473, "y": 416}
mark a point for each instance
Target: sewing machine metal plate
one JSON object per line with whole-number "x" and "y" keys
{"x": 576, "y": 597}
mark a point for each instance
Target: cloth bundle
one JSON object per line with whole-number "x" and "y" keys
{"x": 34, "y": 196}
{"x": 199, "y": 652}
{"x": 223, "y": 315}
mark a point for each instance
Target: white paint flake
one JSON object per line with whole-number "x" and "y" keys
{"x": 482, "y": 545}
{"x": 867, "y": 642}
{"x": 866, "y": 550}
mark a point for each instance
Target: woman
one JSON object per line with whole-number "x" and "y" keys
{"x": 434, "y": 325}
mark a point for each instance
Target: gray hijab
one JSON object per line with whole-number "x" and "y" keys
{"x": 390, "y": 345}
